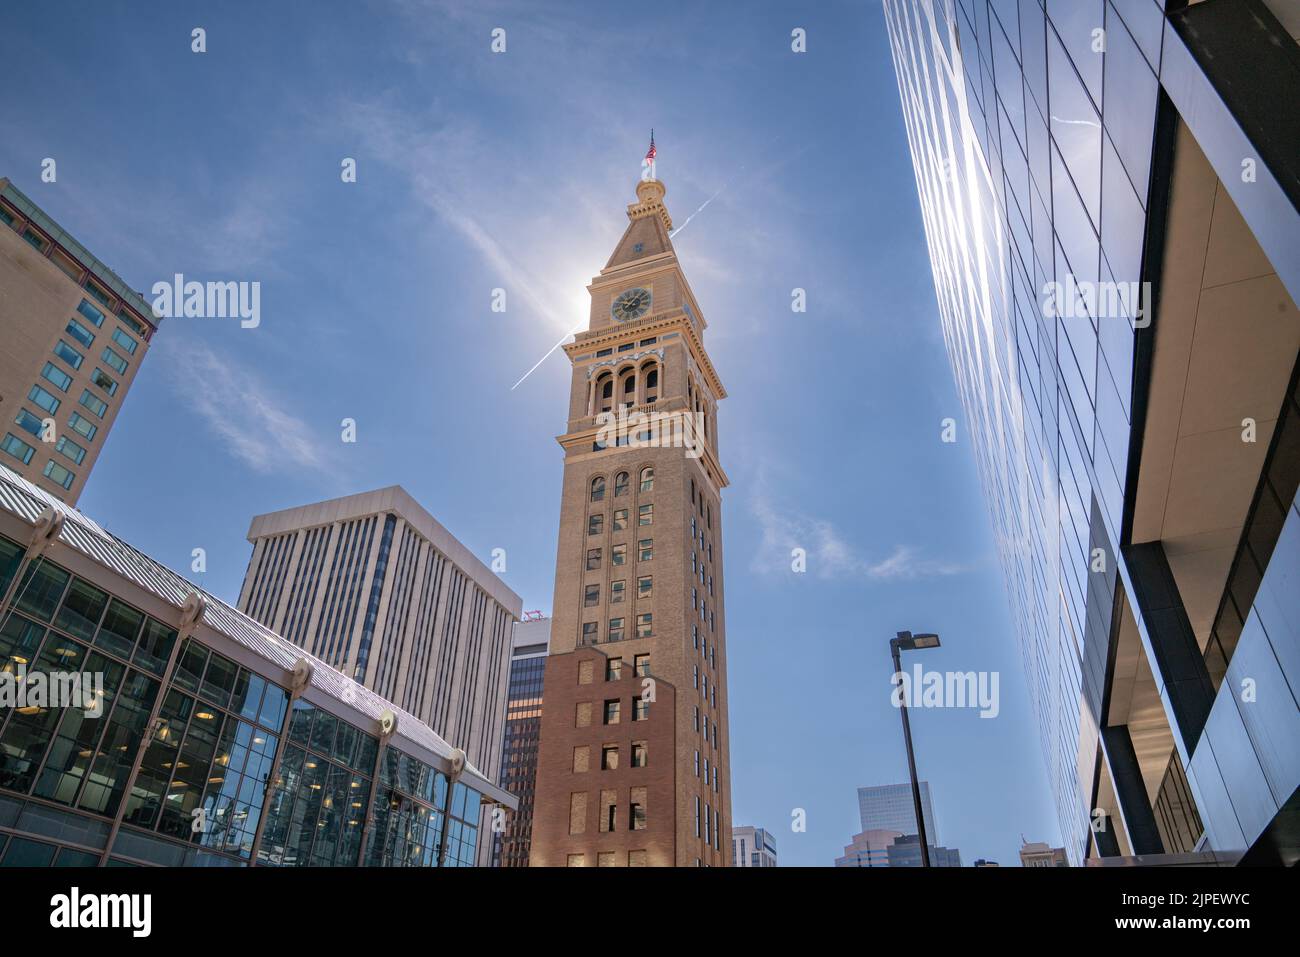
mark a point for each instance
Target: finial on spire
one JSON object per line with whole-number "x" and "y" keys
{"x": 648, "y": 164}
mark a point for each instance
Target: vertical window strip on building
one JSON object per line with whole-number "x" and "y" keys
{"x": 341, "y": 643}
{"x": 345, "y": 535}
{"x": 399, "y": 610}
{"x": 444, "y": 674}
{"x": 372, "y": 604}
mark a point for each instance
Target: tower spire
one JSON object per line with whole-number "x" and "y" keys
{"x": 648, "y": 164}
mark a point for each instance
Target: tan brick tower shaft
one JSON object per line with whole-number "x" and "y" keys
{"x": 633, "y": 765}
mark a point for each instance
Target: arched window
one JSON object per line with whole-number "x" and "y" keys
{"x": 647, "y": 479}
{"x": 627, "y": 386}
{"x": 605, "y": 393}
{"x": 620, "y": 484}
{"x": 598, "y": 489}
{"x": 652, "y": 383}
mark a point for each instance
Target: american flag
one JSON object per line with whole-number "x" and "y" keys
{"x": 650, "y": 153}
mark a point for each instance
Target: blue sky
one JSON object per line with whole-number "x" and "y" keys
{"x": 477, "y": 171}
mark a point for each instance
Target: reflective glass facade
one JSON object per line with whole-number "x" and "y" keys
{"x": 519, "y": 754}
{"x": 1042, "y": 137}
{"x": 232, "y": 770}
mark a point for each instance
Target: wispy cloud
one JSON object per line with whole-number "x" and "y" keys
{"x": 829, "y": 555}
{"x": 906, "y": 563}
{"x": 246, "y": 416}
{"x": 446, "y": 166}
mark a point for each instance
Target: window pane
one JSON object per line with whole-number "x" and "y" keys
{"x": 120, "y": 628}
{"x": 68, "y": 354}
{"x": 91, "y": 313}
{"x": 81, "y": 610}
{"x": 80, "y": 333}
{"x": 125, "y": 341}
{"x": 41, "y": 589}
{"x": 17, "y": 448}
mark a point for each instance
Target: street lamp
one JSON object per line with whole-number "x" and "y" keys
{"x": 906, "y": 641}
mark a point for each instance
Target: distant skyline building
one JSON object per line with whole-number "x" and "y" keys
{"x": 375, "y": 587}
{"x": 217, "y": 743}
{"x": 1039, "y": 854}
{"x": 981, "y": 862}
{"x": 1110, "y": 193}
{"x": 885, "y": 848}
{"x": 868, "y": 849}
{"x": 905, "y": 851}
{"x": 75, "y": 336}
{"x": 524, "y": 701}
{"x": 752, "y": 847}
{"x": 891, "y": 807}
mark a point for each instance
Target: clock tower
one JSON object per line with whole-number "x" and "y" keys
{"x": 634, "y": 761}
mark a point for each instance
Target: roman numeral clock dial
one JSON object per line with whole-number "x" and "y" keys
{"x": 631, "y": 304}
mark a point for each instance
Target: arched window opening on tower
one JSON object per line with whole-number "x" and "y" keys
{"x": 651, "y": 382}
{"x": 605, "y": 393}
{"x": 628, "y": 388}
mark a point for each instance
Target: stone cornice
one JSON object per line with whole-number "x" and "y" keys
{"x": 650, "y": 202}
{"x": 582, "y": 439}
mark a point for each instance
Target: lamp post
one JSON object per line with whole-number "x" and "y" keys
{"x": 906, "y": 641}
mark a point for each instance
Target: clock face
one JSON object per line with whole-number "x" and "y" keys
{"x": 632, "y": 304}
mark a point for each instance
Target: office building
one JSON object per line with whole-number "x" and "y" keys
{"x": 868, "y": 849}
{"x": 532, "y": 638}
{"x": 1039, "y": 854}
{"x": 884, "y": 848}
{"x": 74, "y": 338}
{"x": 981, "y": 862}
{"x": 891, "y": 807}
{"x": 186, "y": 733}
{"x": 634, "y": 765}
{"x": 752, "y": 847}
{"x": 373, "y": 586}
{"x": 1109, "y": 191}
{"x": 905, "y": 851}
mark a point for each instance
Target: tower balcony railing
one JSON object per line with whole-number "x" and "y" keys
{"x": 626, "y": 409}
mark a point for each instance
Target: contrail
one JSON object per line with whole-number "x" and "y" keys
{"x": 581, "y": 324}
{"x": 700, "y": 210}
{"x": 545, "y": 357}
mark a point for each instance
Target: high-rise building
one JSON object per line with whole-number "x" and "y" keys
{"x": 634, "y": 761}
{"x": 885, "y": 848}
{"x": 185, "y": 733}
{"x": 905, "y": 851}
{"x": 752, "y": 847}
{"x": 1110, "y": 194}
{"x": 868, "y": 849}
{"x": 376, "y": 588}
{"x": 1039, "y": 854}
{"x": 523, "y": 729}
{"x": 891, "y": 807}
{"x": 74, "y": 336}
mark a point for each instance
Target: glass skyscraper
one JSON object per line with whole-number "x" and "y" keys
{"x": 890, "y": 807}
{"x": 1109, "y": 190}
{"x": 523, "y": 728}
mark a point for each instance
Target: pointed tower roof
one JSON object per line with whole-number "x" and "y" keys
{"x": 649, "y": 226}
